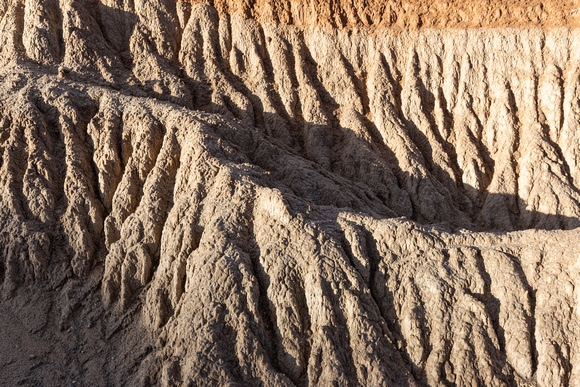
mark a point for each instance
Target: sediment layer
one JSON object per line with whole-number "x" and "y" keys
{"x": 404, "y": 15}
{"x": 207, "y": 199}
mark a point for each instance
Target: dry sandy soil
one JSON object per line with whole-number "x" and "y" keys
{"x": 406, "y": 14}
{"x": 211, "y": 197}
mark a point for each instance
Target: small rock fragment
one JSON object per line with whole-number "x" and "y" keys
{"x": 64, "y": 71}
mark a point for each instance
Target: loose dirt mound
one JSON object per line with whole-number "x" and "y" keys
{"x": 208, "y": 200}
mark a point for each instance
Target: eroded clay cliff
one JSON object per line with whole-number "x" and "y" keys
{"x": 209, "y": 199}
{"x": 404, "y": 14}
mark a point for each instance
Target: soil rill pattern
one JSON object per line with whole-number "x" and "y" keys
{"x": 405, "y": 15}
{"x": 206, "y": 198}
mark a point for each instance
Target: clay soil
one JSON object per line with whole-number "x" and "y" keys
{"x": 407, "y": 14}
{"x": 234, "y": 196}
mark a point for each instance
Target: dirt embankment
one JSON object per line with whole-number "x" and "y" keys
{"x": 209, "y": 200}
{"x": 407, "y": 14}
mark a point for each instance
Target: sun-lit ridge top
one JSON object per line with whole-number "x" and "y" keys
{"x": 406, "y": 14}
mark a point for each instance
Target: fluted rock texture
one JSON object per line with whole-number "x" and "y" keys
{"x": 405, "y": 14}
{"x": 211, "y": 200}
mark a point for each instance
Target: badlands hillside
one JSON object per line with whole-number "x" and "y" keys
{"x": 290, "y": 192}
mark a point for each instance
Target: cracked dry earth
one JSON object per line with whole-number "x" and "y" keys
{"x": 212, "y": 200}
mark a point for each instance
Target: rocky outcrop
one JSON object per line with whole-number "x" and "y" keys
{"x": 205, "y": 199}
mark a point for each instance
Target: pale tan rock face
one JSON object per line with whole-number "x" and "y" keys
{"x": 404, "y": 14}
{"x": 207, "y": 200}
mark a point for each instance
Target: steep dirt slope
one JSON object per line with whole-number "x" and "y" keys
{"x": 208, "y": 200}
{"x": 405, "y": 14}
